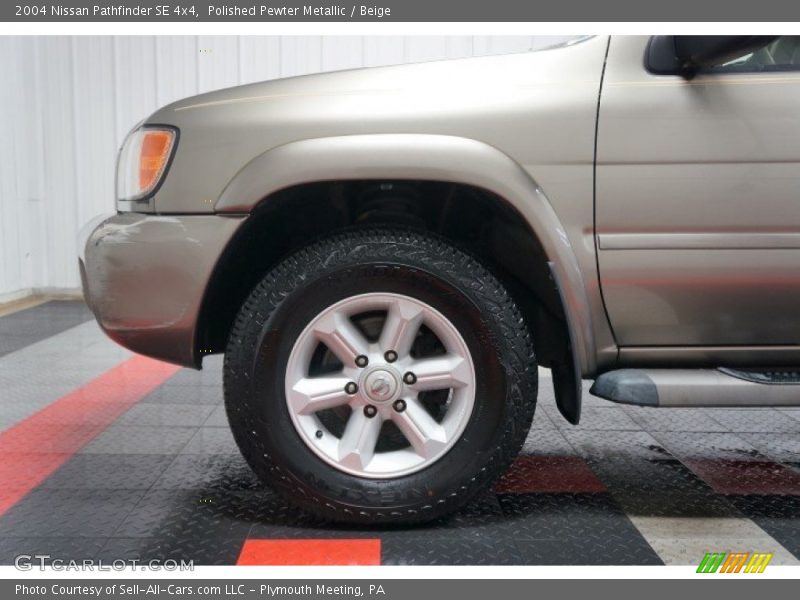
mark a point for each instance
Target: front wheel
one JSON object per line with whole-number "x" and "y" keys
{"x": 379, "y": 376}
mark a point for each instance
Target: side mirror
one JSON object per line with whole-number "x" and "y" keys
{"x": 687, "y": 54}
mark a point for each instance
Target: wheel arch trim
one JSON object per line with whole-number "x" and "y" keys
{"x": 432, "y": 158}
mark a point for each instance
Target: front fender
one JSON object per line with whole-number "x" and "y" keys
{"x": 425, "y": 157}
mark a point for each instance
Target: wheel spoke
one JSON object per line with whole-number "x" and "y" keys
{"x": 423, "y": 433}
{"x": 357, "y": 444}
{"x": 441, "y": 372}
{"x": 402, "y": 324}
{"x": 312, "y": 394}
{"x": 341, "y": 337}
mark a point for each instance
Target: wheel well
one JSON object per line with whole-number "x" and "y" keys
{"x": 471, "y": 218}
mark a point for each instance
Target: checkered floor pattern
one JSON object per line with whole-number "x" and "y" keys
{"x": 104, "y": 454}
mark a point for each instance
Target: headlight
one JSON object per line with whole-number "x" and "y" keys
{"x": 143, "y": 161}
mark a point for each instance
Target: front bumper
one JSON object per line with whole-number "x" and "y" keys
{"x": 145, "y": 276}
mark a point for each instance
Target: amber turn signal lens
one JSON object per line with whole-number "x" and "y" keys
{"x": 155, "y": 152}
{"x": 143, "y": 160}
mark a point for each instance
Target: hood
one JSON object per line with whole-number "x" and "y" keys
{"x": 470, "y": 74}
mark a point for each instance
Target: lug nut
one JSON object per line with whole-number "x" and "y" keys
{"x": 390, "y": 356}
{"x": 409, "y": 378}
{"x": 399, "y": 405}
{"x": 362, "y": 361}
{"x": 319, "y": 433}
{"x": 370, "y": 411}
{"x": 351, "y": 388}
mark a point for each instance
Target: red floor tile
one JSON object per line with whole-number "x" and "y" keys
{"x": 743, "y": 477}
{"x": 35, "y": 447}
{"x": 310, "y": 552}
{"x": 549, "y": 474}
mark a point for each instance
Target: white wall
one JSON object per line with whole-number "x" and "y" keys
{"x": 67, "y": 102}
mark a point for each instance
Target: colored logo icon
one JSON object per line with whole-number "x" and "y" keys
{"x": 734, "y": 562}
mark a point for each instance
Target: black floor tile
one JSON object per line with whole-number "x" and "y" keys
{"x": 128, "y": 549}
{"x": 124, "y": 439}
{"x": 166, "y": 415}
{"x": 195, "y": 513}
{"x": 26, "y": 327}
{"x": 198, "y": 551}
{"x": 660, "y": 488}
{"x": 606, "y": 551}
{"x": 408, "y": 550}
{"x": 68, "y": 513}
{"x": 45, "y": 550}
{"x": 109, "y": 471}
{"x": 589, "y": 525}
{"x": 194, "y": 394}
{"x": 482, "y": 517}
{"x": 779, "y": 516}
{"x": 210, "y": 376}
{"x": 645, "y": 479}
{"x": 212, "y": 440}
{"x": 209, "y": 472}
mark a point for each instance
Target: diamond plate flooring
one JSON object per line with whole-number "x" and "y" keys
{"x": 628, "y": 486}
{"x": 26, "y": 327}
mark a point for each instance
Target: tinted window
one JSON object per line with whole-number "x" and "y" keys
{"x": 781, "y": 55}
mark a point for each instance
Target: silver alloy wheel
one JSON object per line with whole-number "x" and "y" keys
{"x": 387, "y": 388}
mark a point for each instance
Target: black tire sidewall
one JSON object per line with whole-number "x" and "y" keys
{"x": 294, "y": 294}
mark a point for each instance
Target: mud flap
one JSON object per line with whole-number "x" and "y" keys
{"x": 567, "y": 383}
{"x": 568, "y": 387}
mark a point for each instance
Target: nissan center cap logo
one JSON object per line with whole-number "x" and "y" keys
{"x": 380, "y": 387}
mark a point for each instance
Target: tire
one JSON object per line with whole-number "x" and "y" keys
{"x": 426, "y": 471}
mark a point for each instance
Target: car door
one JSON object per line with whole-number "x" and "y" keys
{"x": 698, "y": 200}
